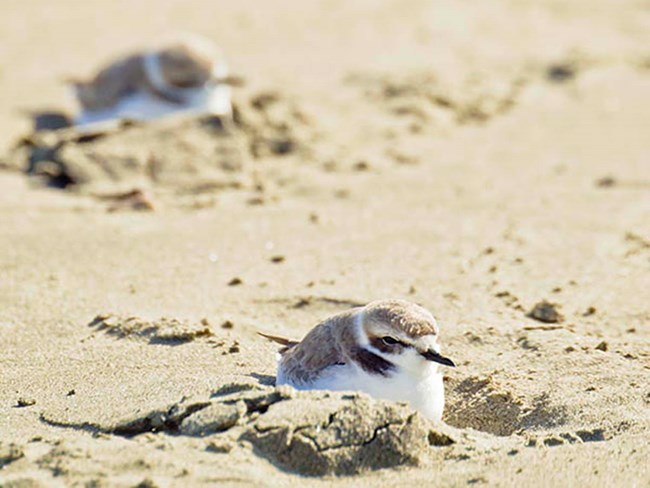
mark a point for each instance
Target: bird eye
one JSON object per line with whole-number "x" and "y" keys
{"x": 389, "y": 340}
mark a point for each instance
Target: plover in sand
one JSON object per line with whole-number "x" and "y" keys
{"x": 189, "y": 75}
{"x": 388, "y": 349}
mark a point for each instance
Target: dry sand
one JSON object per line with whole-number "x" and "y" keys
{"x": 480, "y": 158}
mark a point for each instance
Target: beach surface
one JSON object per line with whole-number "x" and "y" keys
{"x": 488, "y": 160}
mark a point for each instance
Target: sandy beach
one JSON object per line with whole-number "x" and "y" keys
{"x": 488, "y": 160}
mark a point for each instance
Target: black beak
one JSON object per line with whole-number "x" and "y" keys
{"x": 432, "y": 355}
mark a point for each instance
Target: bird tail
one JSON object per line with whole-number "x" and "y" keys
{"x": 283, "y": 341}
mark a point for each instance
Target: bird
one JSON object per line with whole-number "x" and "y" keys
{"x": 388, "y": 349}
{"x": 187, "y": 75}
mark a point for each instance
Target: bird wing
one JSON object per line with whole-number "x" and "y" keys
{"x": 283, "y": 341}
{"x": 322, "y": 347}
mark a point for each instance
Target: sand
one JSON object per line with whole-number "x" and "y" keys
{"x": 487, "y": 160}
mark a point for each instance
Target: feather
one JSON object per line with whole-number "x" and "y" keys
{"x": 283, "y": 341}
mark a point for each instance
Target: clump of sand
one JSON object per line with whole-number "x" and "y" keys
{"x": 182, "y": 154}
{"x": 162, "y": 331}
{"x": 313, "y": 433}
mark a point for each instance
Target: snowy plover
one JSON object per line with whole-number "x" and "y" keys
{"x": 388, "y": 349}
{"x": 186, "y": 76}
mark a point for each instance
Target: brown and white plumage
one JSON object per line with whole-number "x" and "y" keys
{"x": 187, "y": 75}
{"x": 387, "y": 349}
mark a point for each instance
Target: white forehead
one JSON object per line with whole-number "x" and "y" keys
{"x": 427, "y": 342}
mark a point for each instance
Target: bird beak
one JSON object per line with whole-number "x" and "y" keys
{"x": 436, "y": 357}
{"x": 232, "y": 80}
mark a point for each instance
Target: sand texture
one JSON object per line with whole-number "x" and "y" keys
{"x": 488, "y": 160}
